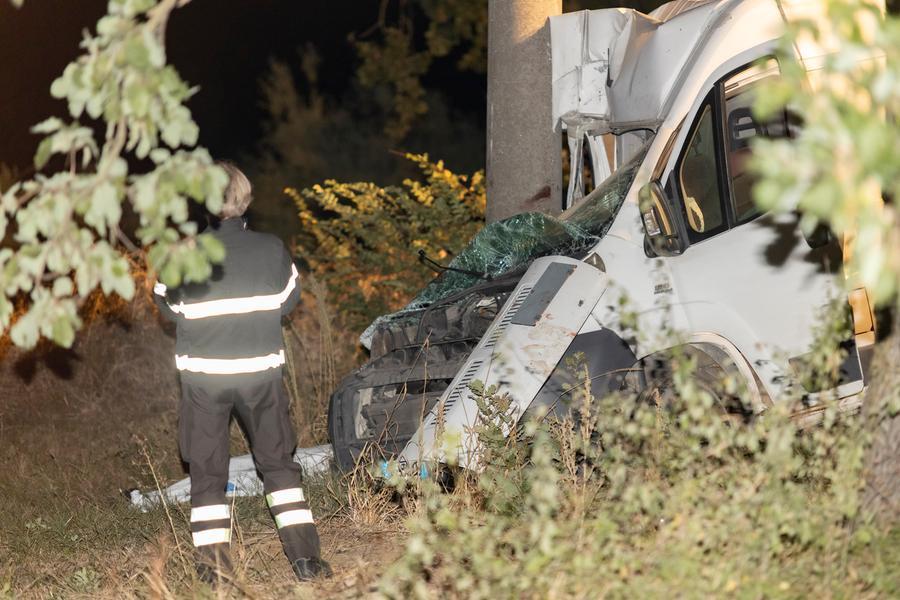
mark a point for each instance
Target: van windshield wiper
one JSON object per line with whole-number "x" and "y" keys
{"x": 439, "y": 268}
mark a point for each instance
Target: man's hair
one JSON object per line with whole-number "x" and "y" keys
{"x": 238, "y": 193}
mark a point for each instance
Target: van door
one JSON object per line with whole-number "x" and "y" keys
{"x": 749, "y": 277}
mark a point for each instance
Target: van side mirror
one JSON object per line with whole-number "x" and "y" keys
{"x": 819, "y": 237}
{"x": 661, "y": 236}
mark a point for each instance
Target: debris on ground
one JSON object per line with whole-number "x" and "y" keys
{"x": 243, "y": 479}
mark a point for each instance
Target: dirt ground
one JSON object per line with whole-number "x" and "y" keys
{"x": 80, "y": 428}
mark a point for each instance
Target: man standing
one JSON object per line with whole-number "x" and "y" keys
{"x": 229, "y": 354}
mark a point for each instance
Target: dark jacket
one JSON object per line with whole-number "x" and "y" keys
{"x": 231, "y": 324}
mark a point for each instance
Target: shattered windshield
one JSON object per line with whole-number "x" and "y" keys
{"x": 503, "y": 246}
{"x": 595, "y": 214}
{"x": 506, "y": 245}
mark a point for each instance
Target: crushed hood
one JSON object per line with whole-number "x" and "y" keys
{"x": 618, "y": 66}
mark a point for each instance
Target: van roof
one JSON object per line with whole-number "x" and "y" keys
{"x": 601, "y": 56}
{"x": 617, "y": 68}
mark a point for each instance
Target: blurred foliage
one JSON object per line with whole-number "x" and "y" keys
{"x": 396, "y": 55}
{"x": 846, "y": 154}
{"x": 394, "y": 62}
{"x": 363, "y": 240}
{"x": 393, "y": 56}
{"x": 64, "y": 224}
{"x": 843, "y": 170}
{"x": 629, "y": 498}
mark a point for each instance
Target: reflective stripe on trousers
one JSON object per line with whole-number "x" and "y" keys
{"x": 211, "y": 524}
{"x": 289, "y": 507}
{"x": 294, "y": 521}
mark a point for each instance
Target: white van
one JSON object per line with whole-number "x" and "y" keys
{"x": 659, "y": 106}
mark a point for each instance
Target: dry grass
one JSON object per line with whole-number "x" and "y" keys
{"x": 79, "y": 427}
{"x": 319, "y": 353}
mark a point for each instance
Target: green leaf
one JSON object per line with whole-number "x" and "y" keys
{"x": 62, "y": 287}
{"x": 213, "y": 247}
{"x": 216, "y": 182}
{"x": 172, "y": 133}
{"x": 169, "y": 274}
{"x": 47, "y": 126}
{"x": 138, "y": 99}
{"x": 196, "y": 267}
{"x": 25, "y": 331}
{"x": 188, "y": 228}
{"x": 6, "y": 310}
{"x": 120, "y": 280}
{"x": 105, "y": 209}
{"x": 160, "y": 155}
{"x": 84, "y": 279}
{"x": 95, "y": 106}
{"x": 155, "y": 53}
{"x": 156, "y": 256}
{"x": 60, "y": 87}
{"x": 137, "y": 53}
{"x": 63, "y": 331}
{"x": 44, "y": 151}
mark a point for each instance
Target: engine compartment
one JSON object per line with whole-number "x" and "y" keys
{"x": 414, "y": 357}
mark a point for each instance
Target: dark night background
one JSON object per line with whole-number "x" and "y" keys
{"x": 227, "y": 48}
{"x": 258, "y": 104}
{"x": 223, "y": 46}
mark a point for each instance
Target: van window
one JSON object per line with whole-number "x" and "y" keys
{"x": 741, "y": 126}
{"x": 698, "y": 175}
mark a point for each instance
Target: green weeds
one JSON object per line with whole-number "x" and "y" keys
{"x": 627, "y": 497}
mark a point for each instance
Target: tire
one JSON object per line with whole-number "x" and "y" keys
{"x": 709, "y": 376}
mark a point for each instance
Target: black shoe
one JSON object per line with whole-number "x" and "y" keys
{"x": 310, "y": 568}
{"x": 213, "y": 576}
{"x": 214, "y": 567}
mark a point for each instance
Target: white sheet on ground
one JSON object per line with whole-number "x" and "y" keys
{"x": 242, "y": 478}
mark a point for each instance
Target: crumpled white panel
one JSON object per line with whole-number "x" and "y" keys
{"x": 587, "y": 49}
{"x": 242, "y": 478}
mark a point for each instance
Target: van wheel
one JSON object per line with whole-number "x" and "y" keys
{"x": 709, "y": 376}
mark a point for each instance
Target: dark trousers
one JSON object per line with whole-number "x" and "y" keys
{"x": 262, "y": 406}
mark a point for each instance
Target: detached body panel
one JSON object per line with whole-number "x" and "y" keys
{"x": 518, "y": 353}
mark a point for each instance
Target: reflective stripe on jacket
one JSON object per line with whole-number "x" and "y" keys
{"x": 231, "y": 324}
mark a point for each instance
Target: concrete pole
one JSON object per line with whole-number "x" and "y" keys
{"x": 524, "y": 170}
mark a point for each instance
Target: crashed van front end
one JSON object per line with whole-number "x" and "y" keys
{"x": 508, "y": 310}
{"x": 629, "y": 93}
{"x": 523, "y": 293}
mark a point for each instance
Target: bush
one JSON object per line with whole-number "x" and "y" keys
{"x": 627, "y": 498}
{"x": 362, "y": 240}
